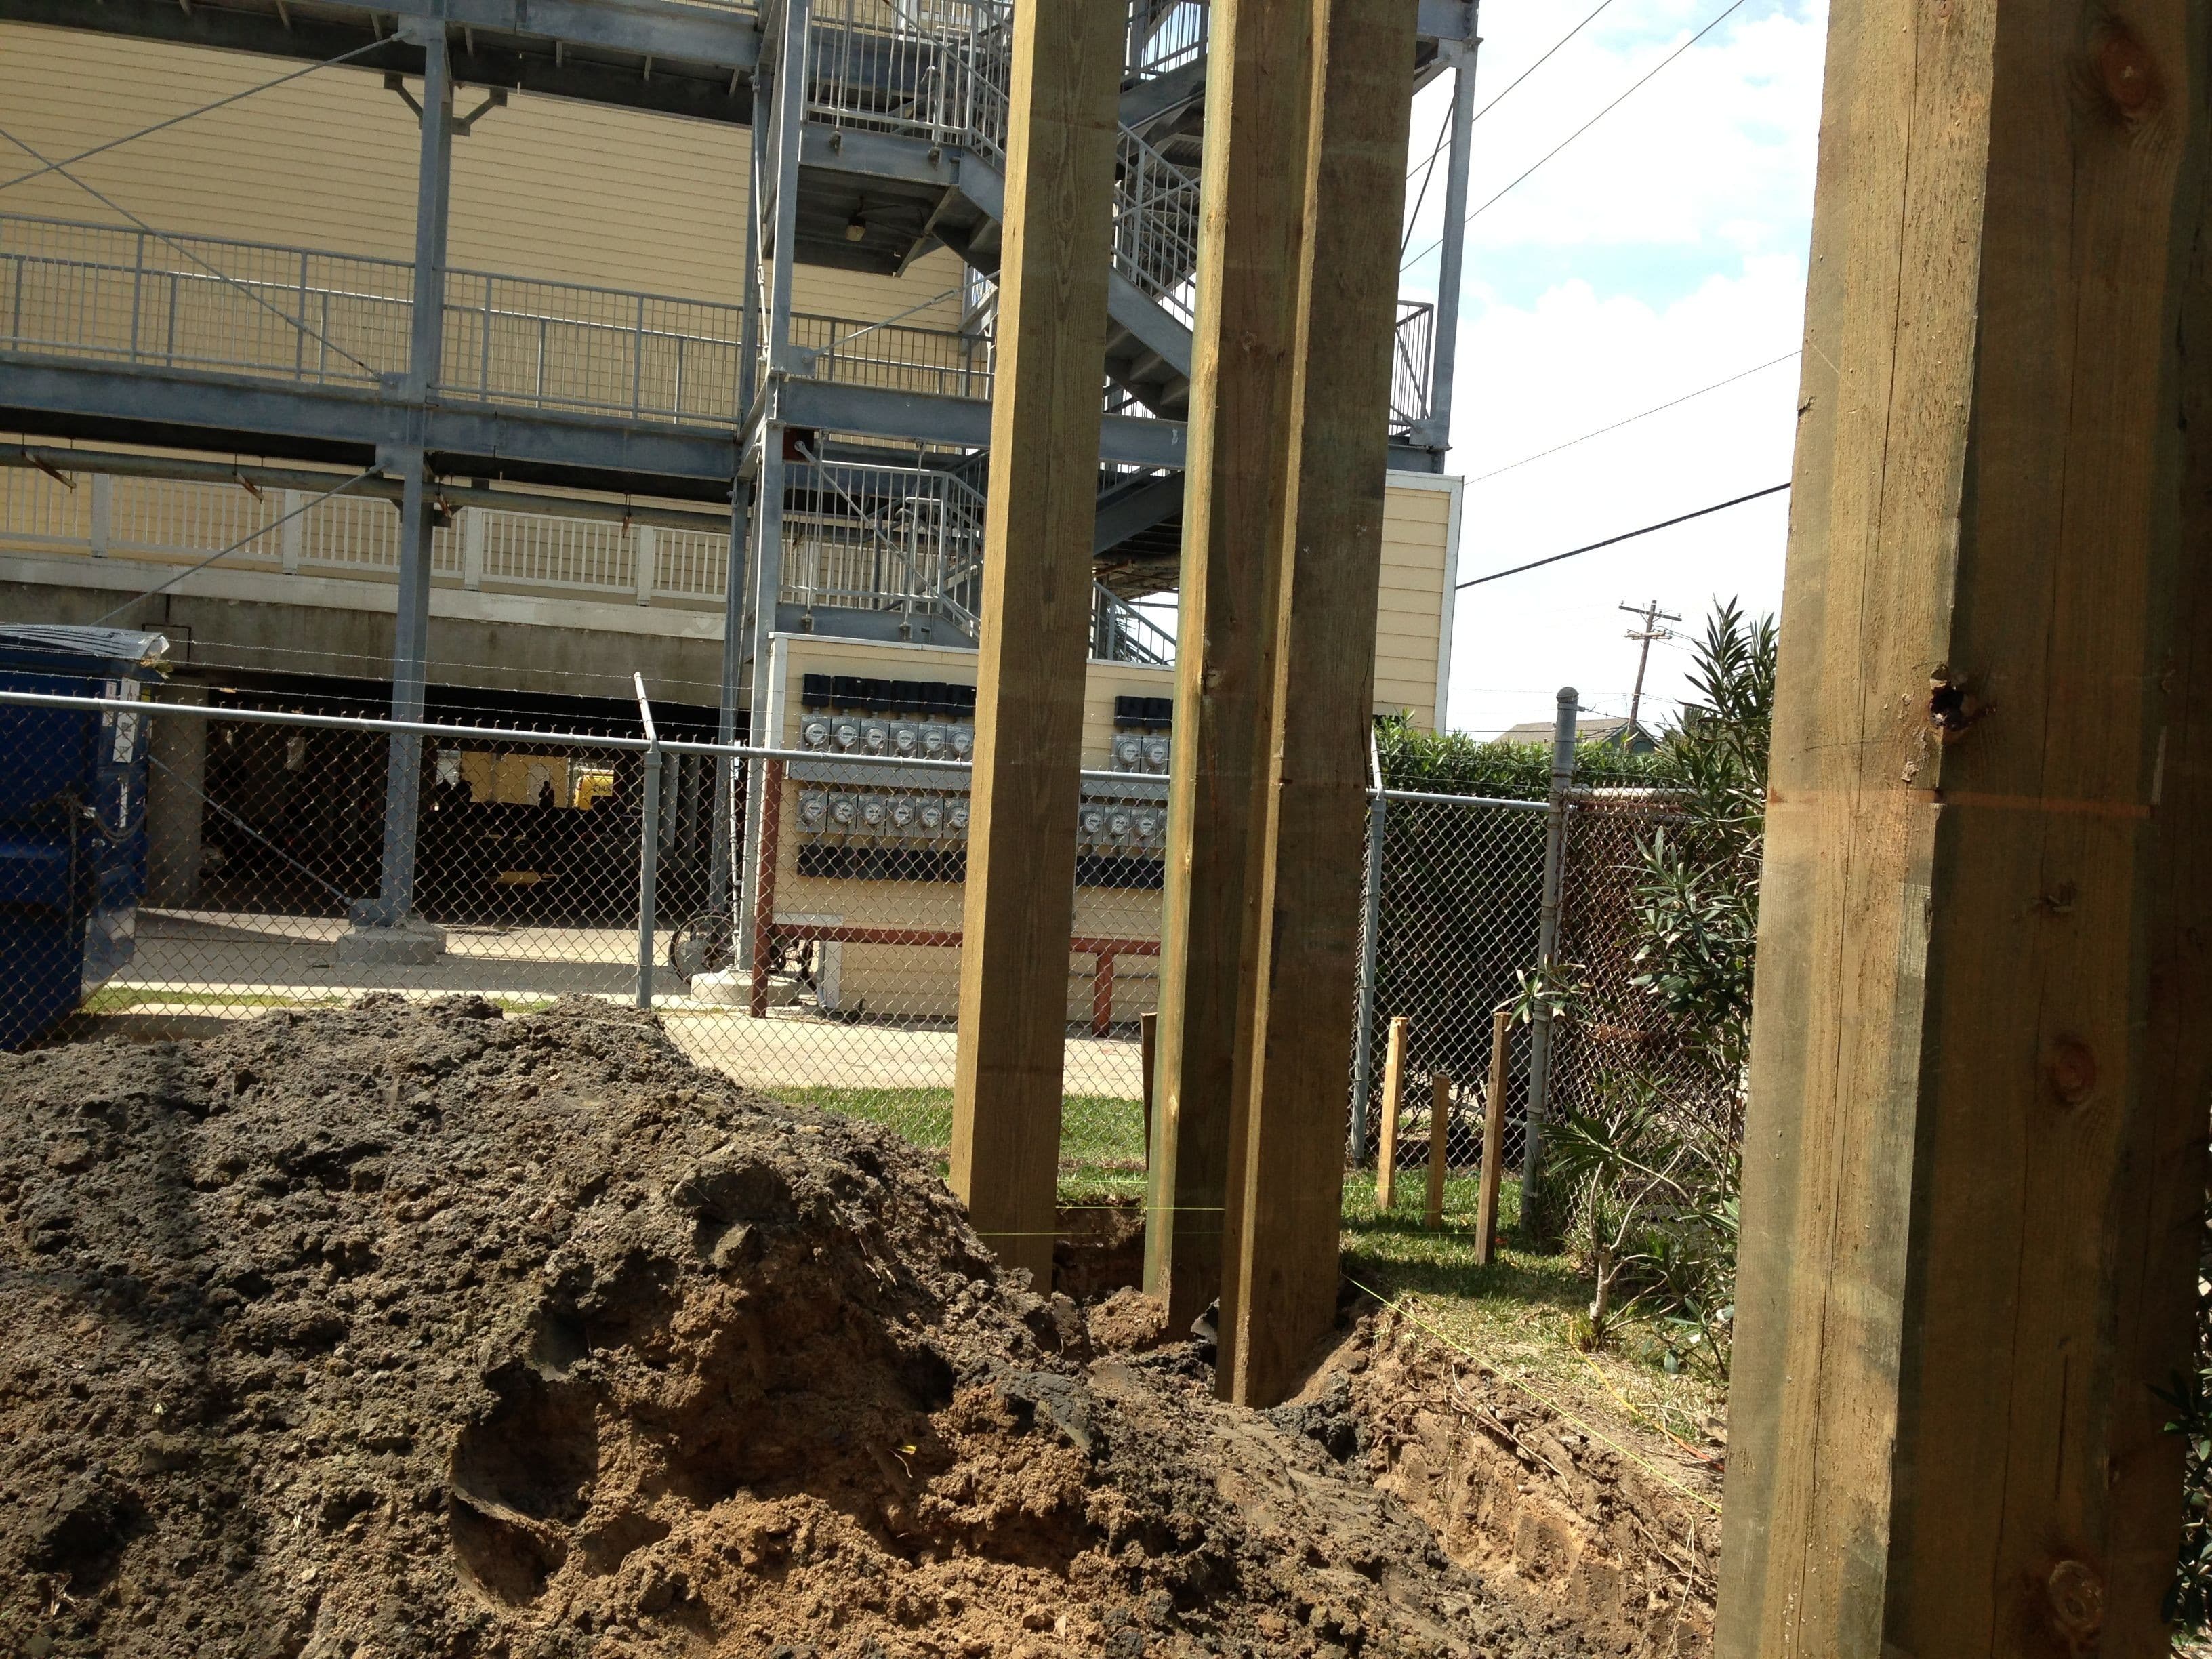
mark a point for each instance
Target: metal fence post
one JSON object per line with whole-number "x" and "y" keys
{"x": 648, "y": 849}
{"x": 1362, "y": 1049}
{"x": 1547, "y": 940}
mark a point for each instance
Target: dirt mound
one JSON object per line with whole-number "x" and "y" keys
{"x": 401, "y": 1331}
{"x": 1617, "y": 1538}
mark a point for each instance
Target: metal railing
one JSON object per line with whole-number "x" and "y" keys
{"x": 935, "y": 69}
{"x": 1121, "y": 633}
{"x": 904, "y": 539}
{"x": 1413, "y": 357}
{"x": 907, "y": 539}
{"x": 941, "y": 73}
{"x": 898, "y": 356}
{"x": 75, "y": 290}
{"x": 1155, "y": 226}
{"x": 1165, "y": 34}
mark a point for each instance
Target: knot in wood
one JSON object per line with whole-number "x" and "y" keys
{"x": 2130, "y": 77}
{"x": 2077, "y": 1599}
{"x": 2073, "y": 1071}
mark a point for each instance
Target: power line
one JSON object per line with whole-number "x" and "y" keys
{"x": 1733, "y": 6}
{"x": 204, "y": 109}
{"x": 1626, "y": 535}
{"x": 1444, "y": 132}
{"x": 224, "y": 277}
{"x": 250, "y": 536}
{"x": 1656, "y": 408}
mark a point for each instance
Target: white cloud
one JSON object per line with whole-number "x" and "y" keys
{"x": 1659, "y": 252}
{"x": 1573, "y": 363}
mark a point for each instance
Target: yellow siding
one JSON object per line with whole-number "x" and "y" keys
{"x": 1416, "y": 555}
{"x": 546, "y": 188}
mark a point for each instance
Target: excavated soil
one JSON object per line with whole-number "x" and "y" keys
{"x": 1614, "y": 1535}
{"x": 401, "y": 1331}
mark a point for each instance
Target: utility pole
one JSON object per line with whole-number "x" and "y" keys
{"x": 1651, "y": 616}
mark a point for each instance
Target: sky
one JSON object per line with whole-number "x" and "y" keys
{"x": 1661, "y": 252}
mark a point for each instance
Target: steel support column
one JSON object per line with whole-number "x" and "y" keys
{"x": 788, "y": 109}
{"x": 1436, "y": 431}
{"x": 393, "y": 907}
{"x": 735, "y": 587}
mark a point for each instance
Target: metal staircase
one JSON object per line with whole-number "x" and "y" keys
{"x": 935, "y": 74}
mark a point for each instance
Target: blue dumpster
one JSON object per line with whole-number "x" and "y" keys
{"x": 72, "y": 818}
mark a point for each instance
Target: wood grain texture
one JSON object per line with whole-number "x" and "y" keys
{"x": 1258, "y": 107}
{"x": 1493, "y": 1138}
{"x": 1440, "y": 1107}
{"x": 1394, "y": 1094}
{"x": 1045, "y": 416}
{"x": 1974, "y": 1167}
{"x": 1279, "y": 1277}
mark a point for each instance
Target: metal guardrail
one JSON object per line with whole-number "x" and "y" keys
{"x": 77, "y": 290}
{"x": 1164, "y": 36}
{"x": 1121, "y": 633}
{"x": 898, "y": 356}
{"x": 880, "y": 538}
{"x": 1412, "y": 358}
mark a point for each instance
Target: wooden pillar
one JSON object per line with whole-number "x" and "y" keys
{"x": 1045, "y": 415}
{"x": 1280, "y": 1273}
{"x": 1974, "y": 1171}
{"x": 1253, "y": 200}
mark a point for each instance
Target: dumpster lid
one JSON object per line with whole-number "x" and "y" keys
{"x": 79, "y": 649}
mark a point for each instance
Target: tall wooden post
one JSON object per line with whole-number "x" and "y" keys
{"x": 1259, "y": 102}
{"x": 1279, "y": 1276}
{"x": 1974, "y": 1172}
{"x": 1045, "y": 413}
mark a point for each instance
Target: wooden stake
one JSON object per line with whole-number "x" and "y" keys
{"x": 1440, "y": 1102}
{"x": 1258, "y": 109}
{"x": 1493, "y": 1138}
{"x": 1974, "y": 1178}
{"x": 1393, "y": 1084}
{"x": 1038, "y": 527}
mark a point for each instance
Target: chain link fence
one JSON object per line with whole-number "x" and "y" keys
{"x": 838, "y": 984}
{"x": 1618, "y": 1030}
{"x": 265, "y": 834}
{"x": 1456, "y": 899}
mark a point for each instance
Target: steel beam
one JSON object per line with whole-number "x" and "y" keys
{"x": 231, "y": 414}
{"x": 777, "y": 217}
{"x": 714, "y": 45}
{"x": 1128, "y": 512}
{"x": 962, "y": 422}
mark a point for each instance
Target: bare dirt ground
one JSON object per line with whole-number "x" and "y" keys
{"x": 1588, "y": 1522}
{"x": 422, "y": 1331}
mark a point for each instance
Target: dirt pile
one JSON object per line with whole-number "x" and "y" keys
{"x": 402, "y": 1331}
{"x": 1616, "y": 1538}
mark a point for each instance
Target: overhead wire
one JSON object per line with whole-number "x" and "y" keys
{"x": 1656, "y": 409}
{"x": 174, "y": 120}
{"x": 1626, "y": 535}
{"x": 113, "y": 206}
{"x": 250, "y": 536}
{"x": 1641, "y": 81}
{"x": 1444, "y": 132}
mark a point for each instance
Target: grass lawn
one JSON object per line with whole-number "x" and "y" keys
{"x": 1102, "y": 1140}
{"x": 1520, "y": 1314}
